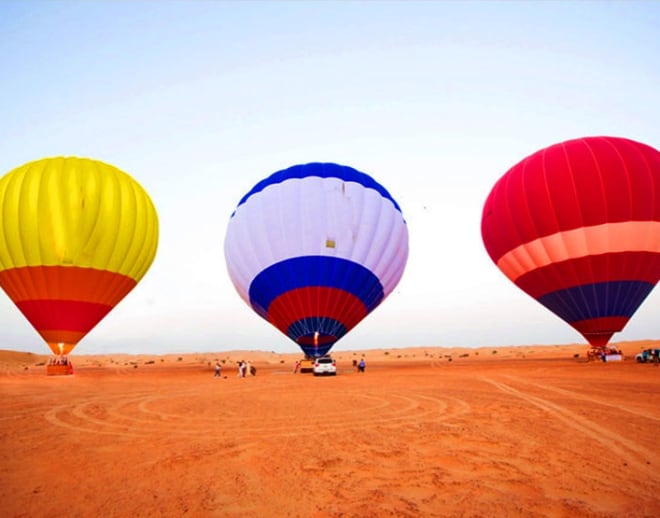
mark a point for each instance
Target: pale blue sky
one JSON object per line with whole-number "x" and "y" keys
{"x": 200, "y": 100}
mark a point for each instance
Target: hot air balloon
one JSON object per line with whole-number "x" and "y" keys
{"x": 315, "y": 248}
{"x": 577, "y": 227}
{"x": 76, "y": 236}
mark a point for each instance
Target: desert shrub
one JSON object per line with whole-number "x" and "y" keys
{"x": 135, "y": 365}
{"x": 476, "y": 353}
{"x": 449, "y": 359}
{"x": 386, "y": 353}
{"x": 40, "y": 364}
{"x": 150, "y": 362}
{"x": 179, "y": 359}
{"x": 494, "y": 351}
{"x": 281, "y": 361}
{"x": 464, "y": 355}
{"x": 576, "y": 355}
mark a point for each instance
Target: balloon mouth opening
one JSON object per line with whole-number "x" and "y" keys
{"x": 600, "y": 339}
{"x": 316, "y": 339}
{"x": 61, "y": 348}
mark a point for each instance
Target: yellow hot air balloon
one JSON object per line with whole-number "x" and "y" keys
{"x": 76, "y": 236}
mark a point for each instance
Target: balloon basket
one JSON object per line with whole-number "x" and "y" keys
{"x": 605, "y": 354}
{"x": 59, "y": 370}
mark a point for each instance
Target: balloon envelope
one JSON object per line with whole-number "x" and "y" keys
{"x": 577, "y": 227}
{"x": 76, "y": 235}
{"x": 314, "y": 249}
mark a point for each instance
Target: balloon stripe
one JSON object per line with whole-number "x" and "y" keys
{"x": 631, "y": 266}
{"x": 65, "y": 283}
{"x": 598, "y": 300}
{"x": 321, "y": 170}
{"x": 598, "y": 331}
{"x": 315, "y": 302}
{"x": 301, "y": 272}
{"x": 580, "y": 183}
{"x": 63, "y": 315}
{"x": 635, "y": 236}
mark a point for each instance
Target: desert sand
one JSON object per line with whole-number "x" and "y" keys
{"x": 502, "y": 431}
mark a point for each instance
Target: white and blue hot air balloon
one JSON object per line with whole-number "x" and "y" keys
{"x": 314, "y": 249}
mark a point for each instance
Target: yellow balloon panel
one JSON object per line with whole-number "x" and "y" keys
{"x": 76, "y": 212}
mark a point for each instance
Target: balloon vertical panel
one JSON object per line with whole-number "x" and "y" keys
{"x": 76, "y": 236}
{"x": 577, "y": 226}
{"x": 314, "y": 248}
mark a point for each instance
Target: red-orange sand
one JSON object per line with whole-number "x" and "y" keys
{"x": 502, "y": 431}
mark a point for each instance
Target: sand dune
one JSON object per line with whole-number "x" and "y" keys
{"x": 501, "y": 431}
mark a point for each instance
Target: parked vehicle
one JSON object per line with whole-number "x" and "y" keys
{"x": 325, "y": 365}
{"x": 306, "y": 365}
{"x": 647, "y": 355}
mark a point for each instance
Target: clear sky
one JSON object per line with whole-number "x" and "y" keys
{"x": 436, "y": 100}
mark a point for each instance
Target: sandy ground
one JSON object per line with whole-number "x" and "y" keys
{"x": 514, "y": 431}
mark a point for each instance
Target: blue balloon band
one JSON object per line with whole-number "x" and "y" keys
{"x": 604, "y": 299}
{"x": 315, "y": 270}
{"x": 322, "y": 170}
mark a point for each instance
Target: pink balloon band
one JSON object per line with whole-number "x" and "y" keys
{"x": 627, "y": 236}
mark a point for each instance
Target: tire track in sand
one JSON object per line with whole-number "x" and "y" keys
{"x": 147, "y": 414}
{"x": 582, "y": 397}
{"x": 609, "y": 440}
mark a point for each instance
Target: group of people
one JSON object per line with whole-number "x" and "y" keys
{"x": 58, "y": 360}
{"x": 246, "y": 369}
{"x": 59, "y": 365}
{"x": 361, "y": 365}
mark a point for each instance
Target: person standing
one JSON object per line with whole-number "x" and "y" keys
{"x": 361, "y": 365}
{"x": 217, "y": 369}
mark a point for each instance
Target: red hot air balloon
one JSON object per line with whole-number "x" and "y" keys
{"x": 577, "y": 226}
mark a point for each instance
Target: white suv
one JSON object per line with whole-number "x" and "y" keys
{"x": 325, "y": 365}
